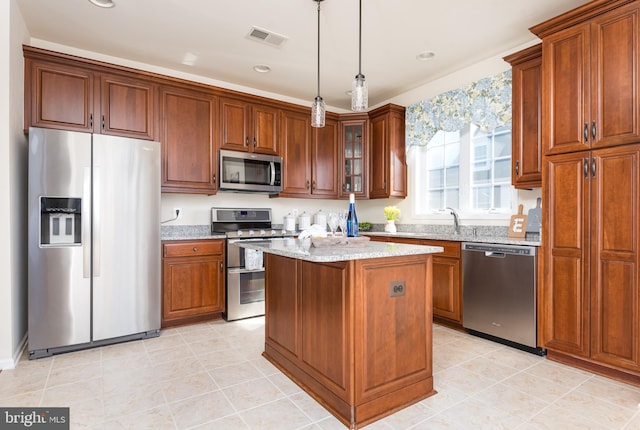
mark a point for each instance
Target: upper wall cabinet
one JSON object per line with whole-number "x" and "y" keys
{"x": 188, "y": 139}
{"x": 591, "y": 92}
{"x": 70, "y": 97}
{"x": 387, "y": 172}
{"x": 526, "y": 154}
{"x": 353, "y": 155}
{"x": 248, "y": 127}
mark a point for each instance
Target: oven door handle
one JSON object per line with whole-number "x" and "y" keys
{"x": 243, "y": 270}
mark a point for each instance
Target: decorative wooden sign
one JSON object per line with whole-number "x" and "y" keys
{"x": 517, "y": 227}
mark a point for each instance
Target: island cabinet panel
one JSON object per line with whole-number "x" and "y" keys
{"x": 395, "y": 351}
{"x": 355, "y": 334}
{"x": 281, "y": 302}
{"x": 324, "y": 323}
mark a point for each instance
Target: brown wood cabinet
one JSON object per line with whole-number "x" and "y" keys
{"x": 193, "y": 276}
{"x": 447, "y": 278}
{"x": 309, "y": 156}
{"x": 590, "y": 68}
{"x": 335, "y": 329}
{"x": 526, "y": 154}
{"x": 387, "y": 162}
{"x": 249, "y": 127}
{"x": 72, "y": 97}
{"x": 189, "y": 159}
{"x": 353, "y": 153}
{"x": 591, "y": 294}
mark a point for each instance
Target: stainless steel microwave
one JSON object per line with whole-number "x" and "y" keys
{"x": 248, "y": 172}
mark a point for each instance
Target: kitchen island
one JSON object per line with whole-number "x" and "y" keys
{"x": 351, "y": 325}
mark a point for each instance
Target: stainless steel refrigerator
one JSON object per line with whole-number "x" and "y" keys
{"x": 94, "y": 240}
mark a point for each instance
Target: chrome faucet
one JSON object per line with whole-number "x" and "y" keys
{"x": 456, "y": 221}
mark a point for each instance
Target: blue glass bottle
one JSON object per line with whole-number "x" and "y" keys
{"x": 352, "y": 218}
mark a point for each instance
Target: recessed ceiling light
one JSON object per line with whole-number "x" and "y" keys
{"x": 426, "y": 55}
{"x": 103, "y": 3}
{"x": 262, "y": 68}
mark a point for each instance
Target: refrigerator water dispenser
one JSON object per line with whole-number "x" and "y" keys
{"x": 60, "y": 221}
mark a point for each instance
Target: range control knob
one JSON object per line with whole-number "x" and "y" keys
{"x": 262, "y": 233}
{"x": 251, "y": 232}
{"x": 273, "y": 232}
{"x": 239, "y": 233}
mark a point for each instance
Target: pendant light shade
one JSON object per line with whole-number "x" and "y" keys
{"x": 359, "y": 90}
{"x": 318, "y": 108}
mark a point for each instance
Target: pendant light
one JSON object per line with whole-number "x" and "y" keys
{"x": 359, "y": 90}
{"x": 318, "y": 108}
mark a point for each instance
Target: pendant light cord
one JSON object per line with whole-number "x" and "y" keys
{"x": 319, "y": 47}
{"x": 360, "y": 40}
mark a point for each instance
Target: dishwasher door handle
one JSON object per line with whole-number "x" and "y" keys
{"x": 494, "y": 254}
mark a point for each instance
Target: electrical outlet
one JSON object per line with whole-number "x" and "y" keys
{"x": 177, "y": 212}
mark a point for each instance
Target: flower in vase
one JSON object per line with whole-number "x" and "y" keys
{"x": 392, "y": 213}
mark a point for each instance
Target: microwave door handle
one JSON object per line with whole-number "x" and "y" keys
{"x": 272, "y": 167}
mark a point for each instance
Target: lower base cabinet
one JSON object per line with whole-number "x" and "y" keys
{"x": 447, "y": 278}
{"x": 193, "y": 275}
{"x": 337, "y": 331}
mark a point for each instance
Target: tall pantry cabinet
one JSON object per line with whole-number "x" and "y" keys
{"x": 591, "y": 173}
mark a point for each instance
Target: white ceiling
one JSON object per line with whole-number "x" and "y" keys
{"x": 165, "y": 32}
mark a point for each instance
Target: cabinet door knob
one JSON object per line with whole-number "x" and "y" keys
{"x": 307, "y": 184}
{"x": 195, "y": 249}
{"x": 517, "y": 168}
{"x": 255, "y": 144}
{"x": 246, "y": 142}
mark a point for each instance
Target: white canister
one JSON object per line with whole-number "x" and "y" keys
{"x": 304, "y": 221}
{"x": 289, "y": 222}
{"x": 320, "y": 218}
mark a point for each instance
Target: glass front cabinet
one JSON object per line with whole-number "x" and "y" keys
{"x": 354, "y": 156}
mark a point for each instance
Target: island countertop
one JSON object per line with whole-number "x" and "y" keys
{"x": 304, "y": 250}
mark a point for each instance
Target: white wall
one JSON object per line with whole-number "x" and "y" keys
{"x": 13, "y": 186}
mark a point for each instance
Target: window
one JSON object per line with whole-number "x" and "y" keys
{"x": 469, "y": 170}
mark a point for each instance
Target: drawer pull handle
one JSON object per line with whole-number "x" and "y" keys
{"x": 195, "y": 249}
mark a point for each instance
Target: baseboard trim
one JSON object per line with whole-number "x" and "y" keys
{"x": 9, "y": 364}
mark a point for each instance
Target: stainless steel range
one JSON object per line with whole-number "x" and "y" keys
{"x": 245, "y": 271}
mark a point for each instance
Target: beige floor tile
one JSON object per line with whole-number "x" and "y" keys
{"x": 476, "y": 345}
{"x": 85, "y": 415}
{"x": 279, "y": 415}
{"x": 620, "y": 394}
{"x": 182, "y": 388}
{"x": 445, "y": 398}
{"x": 80, "y": 373}
{"x": 170, "y": 354}
{"x": 464, "y": 380}
{"x": 544, "y": 389}
{"x": 232, "y": 422}
{"x": 133, "y": 400}
{"x": 472, "y": 414}
{"x": 443, "y": 335}
{"x": 252, "y": 393}
{"x": 634, "y": 423}
{"x": 164, "y": 342}
{"x": 284, "y": 384}
{"x": 222, "y": 358}
{"x": 124, "y": 351}
{"x": 77, "y": 358}
{"x": 512, "y": 401}
{"x": 265, "y": 367}
{"x": 200, "y": 409}
{"x": 23, "y": 379}
{"x": 512, "y": 357}
{"x": 409, "y": 416}
{"x": 209, "y": 346}
{"x": 559, "y": 373}
{"x": 447, "y": 356}
{"x": 153, "y": 419}
{"x": 489, "y": 368}
{"x": 27, "y": 399}
{"x": 309, "y": 406}
{"x": 582, "y": 408}
{"x": 234, "y": 374}
{"x": 74, "y": 392}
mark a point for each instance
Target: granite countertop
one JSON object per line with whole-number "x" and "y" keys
{"x": 303, "y": 250}
{"x": 188, "y": 232}
{"x": 457, "y": 237}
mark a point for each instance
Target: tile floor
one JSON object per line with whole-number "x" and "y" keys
{"x": 212, "y": 376}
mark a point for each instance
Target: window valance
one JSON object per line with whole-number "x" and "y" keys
{"x": 485, "y": 103}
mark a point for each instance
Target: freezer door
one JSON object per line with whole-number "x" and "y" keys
{"x": 59, "y": 282}
{"x": 126, "y": 234}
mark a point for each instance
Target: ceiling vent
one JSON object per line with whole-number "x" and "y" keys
{"x": 266, "y": 36}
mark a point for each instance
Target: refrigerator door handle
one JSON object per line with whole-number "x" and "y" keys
{"x": 86, "y": 223}
{"x": 96, "y": 221}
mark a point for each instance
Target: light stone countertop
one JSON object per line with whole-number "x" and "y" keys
{"x": 304, "y": 250}
{"x": 456, "y": 237}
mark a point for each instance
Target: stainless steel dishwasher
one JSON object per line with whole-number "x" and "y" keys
{"x": 499, "y": 293}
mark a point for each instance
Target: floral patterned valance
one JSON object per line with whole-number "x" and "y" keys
{"x": 485, "y": 103}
